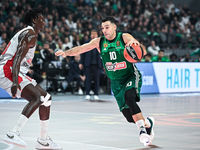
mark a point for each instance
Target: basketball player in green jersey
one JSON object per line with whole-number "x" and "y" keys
{"x": 125, "y": 77}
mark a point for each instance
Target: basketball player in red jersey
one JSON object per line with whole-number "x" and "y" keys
{"x": 14, "y": 63}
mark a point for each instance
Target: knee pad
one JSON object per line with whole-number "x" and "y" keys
{"x": 130, "y": 99}
{"x": 127, "y": 114}
{"x": 46, "y": 100}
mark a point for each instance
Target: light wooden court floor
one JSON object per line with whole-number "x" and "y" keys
{"x": 77, "y": 124}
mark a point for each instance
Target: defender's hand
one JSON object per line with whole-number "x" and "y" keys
{"x": 14, "y": 89}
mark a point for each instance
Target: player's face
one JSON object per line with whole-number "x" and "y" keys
{"x": 109, "y": 30}
{"x": 40, "y": 21}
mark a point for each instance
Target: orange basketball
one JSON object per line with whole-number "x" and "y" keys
{"x": 134, "y": 53}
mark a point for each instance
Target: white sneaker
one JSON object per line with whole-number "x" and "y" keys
{"x": 91, "y": 92}
{"x": 150, "y": 130}
{"x": 145, "y": 138}
{"x": 87, "y": 97}
{"x": 80, "y": 92}
{"x": 96, "y": 97}
{"x": 47, "y": 144}
{"x": 14, "y": 138}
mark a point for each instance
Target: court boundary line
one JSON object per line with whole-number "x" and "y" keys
{"x": 31, "y": 139}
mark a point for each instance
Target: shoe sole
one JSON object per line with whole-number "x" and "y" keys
{"x": 9, "y": 141}
{"x": 48, "y": 148}
{"x": 145, "y": 139}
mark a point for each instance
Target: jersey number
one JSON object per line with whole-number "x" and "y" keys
{"x": 113, "y": 56}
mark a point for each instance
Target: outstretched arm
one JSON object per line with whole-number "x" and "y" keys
{"x": 80, "y": 49}
{"x": 26, "y": 39}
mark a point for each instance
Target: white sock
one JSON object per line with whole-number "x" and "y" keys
{"x": 147, "y": 123}
{"x": 20, "y": 123}
{"x": 44, "y": 125}
{"x": 140, "y": 125}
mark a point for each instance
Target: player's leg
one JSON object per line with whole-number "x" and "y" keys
{"x": 130, "y": 99}
{"x": 44, "y": 112}
{"x": 44, "y": 141}
{"x": 149, "y": 122}
{"x": 127, "y": 114}
{"x": 30, "y": 93}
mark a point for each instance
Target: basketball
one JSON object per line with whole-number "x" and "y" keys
{"x": 134, "y": 53}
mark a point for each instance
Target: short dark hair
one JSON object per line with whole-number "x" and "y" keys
{"x": 109, "y": 18}
{"x": 161, "y": 51}
{"x": 32, "y": 14}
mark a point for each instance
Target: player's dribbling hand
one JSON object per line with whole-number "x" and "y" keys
{"x": 14, "y": 89}
{"x": 60, "y": 52}
{"x": 131, "y": 42}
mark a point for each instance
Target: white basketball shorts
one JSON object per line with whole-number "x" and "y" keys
{"x": 6, "y": 81}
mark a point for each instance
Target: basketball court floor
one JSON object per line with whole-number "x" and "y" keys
{"x": 77, "y": 124}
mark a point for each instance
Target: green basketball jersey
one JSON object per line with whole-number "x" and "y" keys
{"x": 116, "y": 66}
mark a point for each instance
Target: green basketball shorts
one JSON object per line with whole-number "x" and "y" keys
{"x": 119, "y": 88}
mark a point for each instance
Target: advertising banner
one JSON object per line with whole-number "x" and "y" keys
{"x": 149, "y": 82}
{"x": 177, "y": 77}
{"x": 166, "y": 77}
{"x": 163, "y": 77}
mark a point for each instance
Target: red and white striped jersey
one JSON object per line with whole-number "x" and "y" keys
{"x": 9, "y": 53}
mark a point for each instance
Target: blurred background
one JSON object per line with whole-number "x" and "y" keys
{"x": 172, "y": 26}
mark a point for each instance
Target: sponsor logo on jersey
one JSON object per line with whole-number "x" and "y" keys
{"x": 118, "y": 47}
{"x": 118, "y": 43}
{"x": 115, "y": 66}
{"x": 105, "y": 45}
